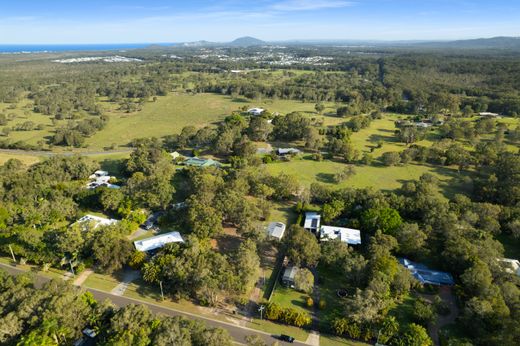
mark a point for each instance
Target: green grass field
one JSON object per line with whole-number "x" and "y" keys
{"x": 377, "y": 176}
{"x": 26, "y": 159}
{"x": 290, "y": 298}
{"x": 329, "y": 340}
{"x": 276, "y": 329}
{"x": 101, "y": 282}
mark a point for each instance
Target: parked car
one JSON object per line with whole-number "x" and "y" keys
{"x": 287, "y": 338}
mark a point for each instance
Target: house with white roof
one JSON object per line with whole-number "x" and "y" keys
{"x": 95, "y": 221}
{"x": 101, "y": 179}
{"x": 276, "y": 230}
{"x": 287, "y": 151}
{"x": 347, "y": 235}
{"x": 157, "y": 242}
{"x": 312, "y": 221}
{"x": 511, "y": 266}
{"x": 256, "y": 111}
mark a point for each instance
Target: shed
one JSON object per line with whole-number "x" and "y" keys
{"x": 312, "y": 221}
{"x": 276, "y": 230}
{"x": 288, "y": 276}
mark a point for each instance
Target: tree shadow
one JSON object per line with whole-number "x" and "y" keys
{"x": 114, "y": 166}
{"x": 327, "y": 178}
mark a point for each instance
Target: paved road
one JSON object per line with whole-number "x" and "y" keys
{"x": 237, "y": 332}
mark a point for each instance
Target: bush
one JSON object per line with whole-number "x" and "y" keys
{"x": 423, "y": 312}
{"x": 391, "y": 158}
{"x": 310, "y": 302}
{"x": 322, "y": 304}
{"x": 275, "y": 312}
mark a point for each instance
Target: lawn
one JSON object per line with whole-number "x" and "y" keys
{"x": 329, "y": 283}
{"x": 101, "y": 282}
{"x": 276, "y": 329}
{"x": 377, "y": 176}
{"x": 290, "y": 298}
{"x": 169, "y": 114}
{"x": 328, "y": 340}
{"x": 403, "y": 311}
{"x": 26, "y": 159}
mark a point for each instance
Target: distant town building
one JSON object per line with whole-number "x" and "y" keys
{"x": 276, "y": 230}
{"x": 157, "y": 242}
{"x": 347, "y": 235}
{"x": 175, "y": 155}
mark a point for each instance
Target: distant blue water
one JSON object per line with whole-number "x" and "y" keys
{"x": 35, "y": 48}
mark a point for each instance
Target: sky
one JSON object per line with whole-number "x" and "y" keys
{"x": 156, "y": 21}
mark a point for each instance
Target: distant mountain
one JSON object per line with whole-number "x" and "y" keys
{"x": 247, "y": 41}
{"x": 479, "y": 43}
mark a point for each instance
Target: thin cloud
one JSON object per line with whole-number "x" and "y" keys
{"x": 306, "y": 5}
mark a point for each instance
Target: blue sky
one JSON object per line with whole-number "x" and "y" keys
{"x": 142, "y": 21}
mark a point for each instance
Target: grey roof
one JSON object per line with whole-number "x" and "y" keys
{"x": 289, "y": 273}
{"x": 427, "y": 276}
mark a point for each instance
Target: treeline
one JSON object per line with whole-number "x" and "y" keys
{"x": 57, "y": 313}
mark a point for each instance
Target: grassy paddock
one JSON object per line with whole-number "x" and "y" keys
{"x": 276, "y": 329}
{"x": 377, "y": 176}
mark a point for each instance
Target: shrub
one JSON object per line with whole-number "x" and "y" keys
{"x": 310, "y": 302}
{"x": 322, "y": 304}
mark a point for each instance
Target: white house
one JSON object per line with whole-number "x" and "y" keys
{"x": 256, "y": 111}
{"x": 347, "y": 235}
{"x": 312, "y": 221}
{"x": 489, "y": 114}
{"x": 287, "y": 151}
{"x": 158, "y": 241}
{"x": 96, "y": 221}
{"x": 276, "y": 230}
{"x": 101, "y": 179}
{"x": 98, "y": 174}
{"x": 175, "y": 155}
{"x": 511, "y": 265}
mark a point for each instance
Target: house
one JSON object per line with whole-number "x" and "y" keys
{"x": 198, "y": 162}
{"x": 101, "y": 179}
{"x": 287, "y": 151}
{"x": 489, "y": 114}
{"x": 288, "y": 276}
{"x": 175, "y": 155}
{"x": 256, "y": 111}
{"x": 98, "y": 174}
{"x": 347, "y": 235}
{"x": 426, "y": 275}
{"x": 312, "y": 221}
{"x": 511, "y": 266}
{"x": 276, "y": 230}
{"x": 158, "y": 241}
{"x": 422, "y": 124}
{"x": 95, "y": 221}
{"x": 88, "y": 338}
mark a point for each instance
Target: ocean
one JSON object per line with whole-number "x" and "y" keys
{"x": 39, "y": 48}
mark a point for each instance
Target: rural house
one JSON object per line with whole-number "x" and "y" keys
{"x": 157, "y": 242}
{"x": 426, "y": 275}
{"x": 347, "y": 235}
{"x": 198, "y": 162}
{"x": 255, "y": 111}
